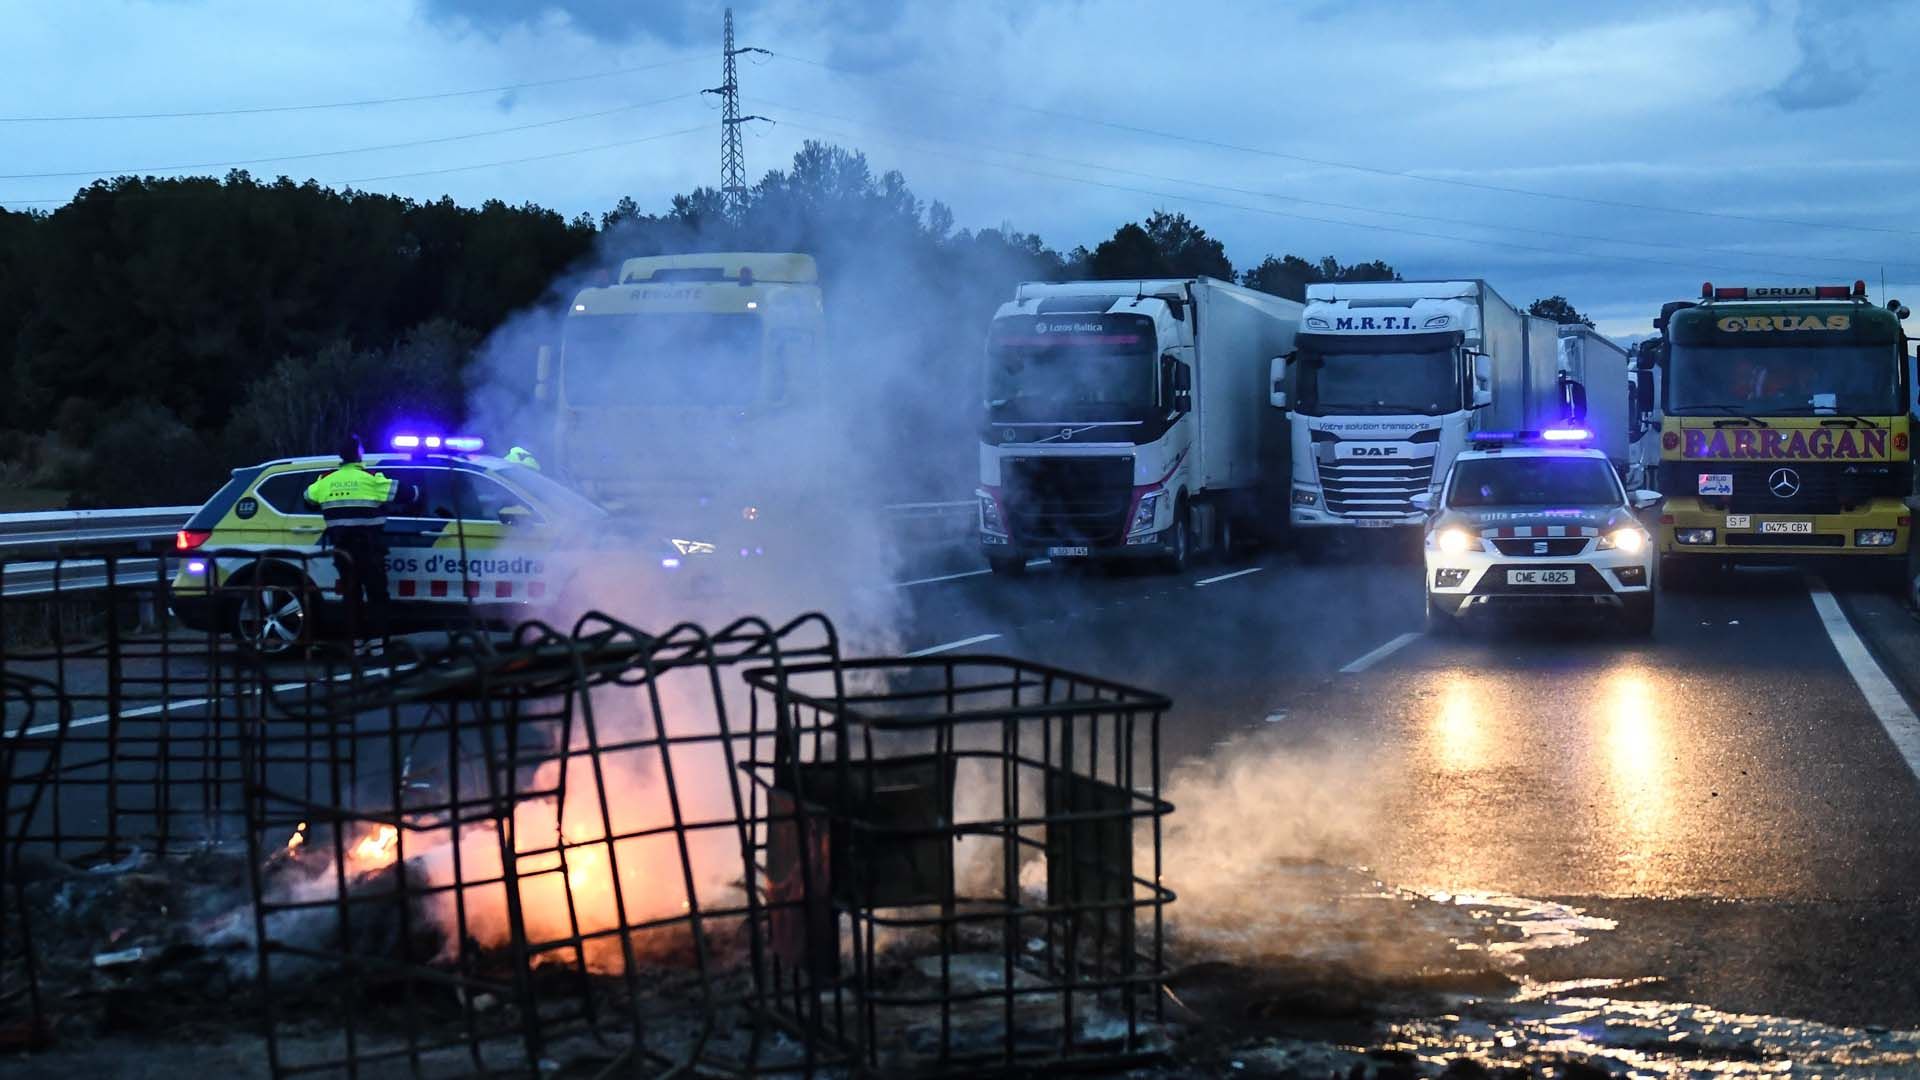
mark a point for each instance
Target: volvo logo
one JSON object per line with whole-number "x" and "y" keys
{"x": 1784, "y": 483}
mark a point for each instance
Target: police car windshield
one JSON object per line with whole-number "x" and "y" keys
{"x": 555, "y": 497}
{"x": 662, "y": 359}
{"x": 1534, "y": 481}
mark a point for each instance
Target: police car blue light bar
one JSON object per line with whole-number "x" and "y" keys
{"x": 1567, "y": 435}
{"x": 1522, "y": 438}
{"x": 468, "y": 444}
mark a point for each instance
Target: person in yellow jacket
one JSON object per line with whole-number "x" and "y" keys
{"x": 521, "y": 456}
{"x": 354, "y": 502}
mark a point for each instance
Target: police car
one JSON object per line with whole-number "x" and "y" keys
{"x": 1535, "y": 522}
{"x": 481, "y": 538}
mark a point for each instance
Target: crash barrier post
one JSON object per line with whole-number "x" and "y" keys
{"x": 957, "y": 864}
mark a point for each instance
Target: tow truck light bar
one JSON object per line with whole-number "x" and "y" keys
{"x": 1782, "y": 292}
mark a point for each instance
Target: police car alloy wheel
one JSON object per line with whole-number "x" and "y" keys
{"x": 273, "y": 618}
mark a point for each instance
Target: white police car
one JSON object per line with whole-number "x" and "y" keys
{"x": 1534, "y": 522}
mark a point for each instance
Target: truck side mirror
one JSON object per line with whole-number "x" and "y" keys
{"x": 1643, "y": 391}
{"x": 1482, "y": 380}
{"x": 1277, "y": 381}
{"x": 1573, "y": 400}
{"x": 543, "y": 374}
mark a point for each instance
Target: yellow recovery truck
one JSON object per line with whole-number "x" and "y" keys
{"x": 1787, "y": 431}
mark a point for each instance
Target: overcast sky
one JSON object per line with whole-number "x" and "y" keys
{"x": 1641, "y": 147}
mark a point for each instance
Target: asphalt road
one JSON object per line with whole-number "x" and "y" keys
{"x": 1722, "y": 806}
{"x": 1716, "y": 828}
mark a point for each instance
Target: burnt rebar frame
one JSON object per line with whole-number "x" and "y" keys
{"x": 510, "y": 711}
{"x": 837, "y": 742}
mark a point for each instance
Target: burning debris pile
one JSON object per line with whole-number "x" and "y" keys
{"x": 732, "y": 850}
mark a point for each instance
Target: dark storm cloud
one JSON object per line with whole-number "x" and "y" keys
{"x": 1833, "y": 68}
{"x": 672, "y": 22}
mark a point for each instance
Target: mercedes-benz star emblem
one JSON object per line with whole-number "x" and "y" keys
{"x": 1784, "y": 483}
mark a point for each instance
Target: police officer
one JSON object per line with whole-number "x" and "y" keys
{"x": 520, "y": 455}
{"x": 354, "y": 503}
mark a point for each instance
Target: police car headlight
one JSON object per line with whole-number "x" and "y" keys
{"x": 1455, "y": 541}
{"x": 1144, "y": 513}
{"x": 1629, "y": 540}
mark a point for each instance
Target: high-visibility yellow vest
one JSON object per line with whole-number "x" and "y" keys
{"x": 350, "y": 495}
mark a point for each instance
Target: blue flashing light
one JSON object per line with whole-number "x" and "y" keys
{"x": 1567, "y": 435}
{"x": 406, "y": 442}
{"x": 432, "y": 442}
{"x": 197, "y": 566}
{"x": 467, "y": 444}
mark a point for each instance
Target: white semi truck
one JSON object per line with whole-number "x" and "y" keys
{"x": 1124, "y": 420}
{"x": 1606, "y": 394}
{"x": 1387, "y": 381}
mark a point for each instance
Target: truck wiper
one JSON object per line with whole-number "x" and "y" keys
{"x": 1834, "y": 417}
{"x": 1733, "y": 412}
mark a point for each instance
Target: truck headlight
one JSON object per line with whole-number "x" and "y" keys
{"x": 1455, "y": 541}
{"x": 1629, "y": 540}
{"x": 1305, "y": 497}
{"x": 990, "y": 522}
{"x": 1143, "y": 514}
{"x": 1874, "y": 537}
{"x": 1693, "y": 536}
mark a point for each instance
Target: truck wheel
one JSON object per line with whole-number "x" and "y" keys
{"x": 1439, "y": 623}
{"x": 1225, "y": 544}
{"x": 1179, "y": 542}
{"x": 1007, "y": 565}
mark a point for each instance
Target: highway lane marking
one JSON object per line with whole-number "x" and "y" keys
{"x": 1889, "y": 705}
{"x": 193, "y": 703}
{"x": 1031, "y": 563}
{"x": 1381, "y": 653}
{"x": 951, "y": 645}
{"x": 1229, "y": 577}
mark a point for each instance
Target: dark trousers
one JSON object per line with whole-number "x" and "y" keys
{"x": 360, "y": 555}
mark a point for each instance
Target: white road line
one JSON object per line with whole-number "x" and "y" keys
{"x": 1381, "y": 653}
{"x": 1889, "y": 705}
{"x": 951, "y": 645}
{"x": 191, "y": 703}
{"x": 1031, "y": 563}
{"x": 1229, "y": 577}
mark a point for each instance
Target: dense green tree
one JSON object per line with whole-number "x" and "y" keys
{"x": 1290, "y": 275}
{"x": 1559, "y": 310}
{"x": 1166, "y": 245}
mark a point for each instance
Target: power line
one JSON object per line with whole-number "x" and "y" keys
{"x": 258, "y": 109}
{"x": 1269, "y": 211}
{"x": 1349, "y": 165}
{"x": 354, "y": 150}
{"x": 1854, "y": 263}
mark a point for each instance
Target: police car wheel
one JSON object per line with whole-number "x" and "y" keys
{"x": 273, "y": 617}
{"x": 1439, "y": 623}
{"x": 1637, "y": 618}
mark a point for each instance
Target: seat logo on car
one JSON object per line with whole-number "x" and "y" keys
{"x": 1784, "y": 483}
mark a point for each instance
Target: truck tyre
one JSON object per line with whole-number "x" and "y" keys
{"x": 1439, "y": 623}
{"x": 1225, "y": 544}
{"x": 1179, "y": 541}
{"x": 1637, "y": 617}
{"x": 1007, "y": 565}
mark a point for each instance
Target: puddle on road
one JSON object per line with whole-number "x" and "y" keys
{"x": 1428, "y": 978}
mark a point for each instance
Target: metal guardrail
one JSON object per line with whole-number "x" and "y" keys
{"x": 53, "y": 528}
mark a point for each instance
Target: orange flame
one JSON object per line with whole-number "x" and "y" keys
{"x": 298, "y": 839}
{"x": 377, "y": 848}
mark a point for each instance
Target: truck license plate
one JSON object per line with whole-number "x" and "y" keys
{"x": 1064, "y": 552}
{"x": 1539, "y": 577}
{"x": 1798, "y": 528}
{"x": 1375, "y": 523}
{"x": 1739, "y": 521}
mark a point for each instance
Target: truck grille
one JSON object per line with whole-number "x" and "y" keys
{"x": 1068, "y": 500}
{"x": 1373, "y": 490}
{"x": 1786, "y": 540}
{"x": 1825, "y": 487}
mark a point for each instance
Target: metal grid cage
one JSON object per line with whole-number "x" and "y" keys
{"x": 957, "y": 861}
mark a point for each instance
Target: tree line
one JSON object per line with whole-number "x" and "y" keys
{"x": 155, "y": 332}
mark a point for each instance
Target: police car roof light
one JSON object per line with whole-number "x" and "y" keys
{"x": 469, "y": 444}
{"x": 406, "y": 442}
{"x": 1567, "y": 435}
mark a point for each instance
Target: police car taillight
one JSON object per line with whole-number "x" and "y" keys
{"x": 188, "y": 539}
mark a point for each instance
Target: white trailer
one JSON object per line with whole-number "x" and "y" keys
{"x": 1387, "y": 384}
{"x": 1599, "y": 367}
{"x": 1124, "y": 419}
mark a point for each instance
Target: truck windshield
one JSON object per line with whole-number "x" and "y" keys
{"x": 667, "y": 359}
{"x": 1534, "y": 481}
{"x": 1071, "y": 377}
{"x": 1806, "y": 379}
{"x": 1398, "y": 381}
